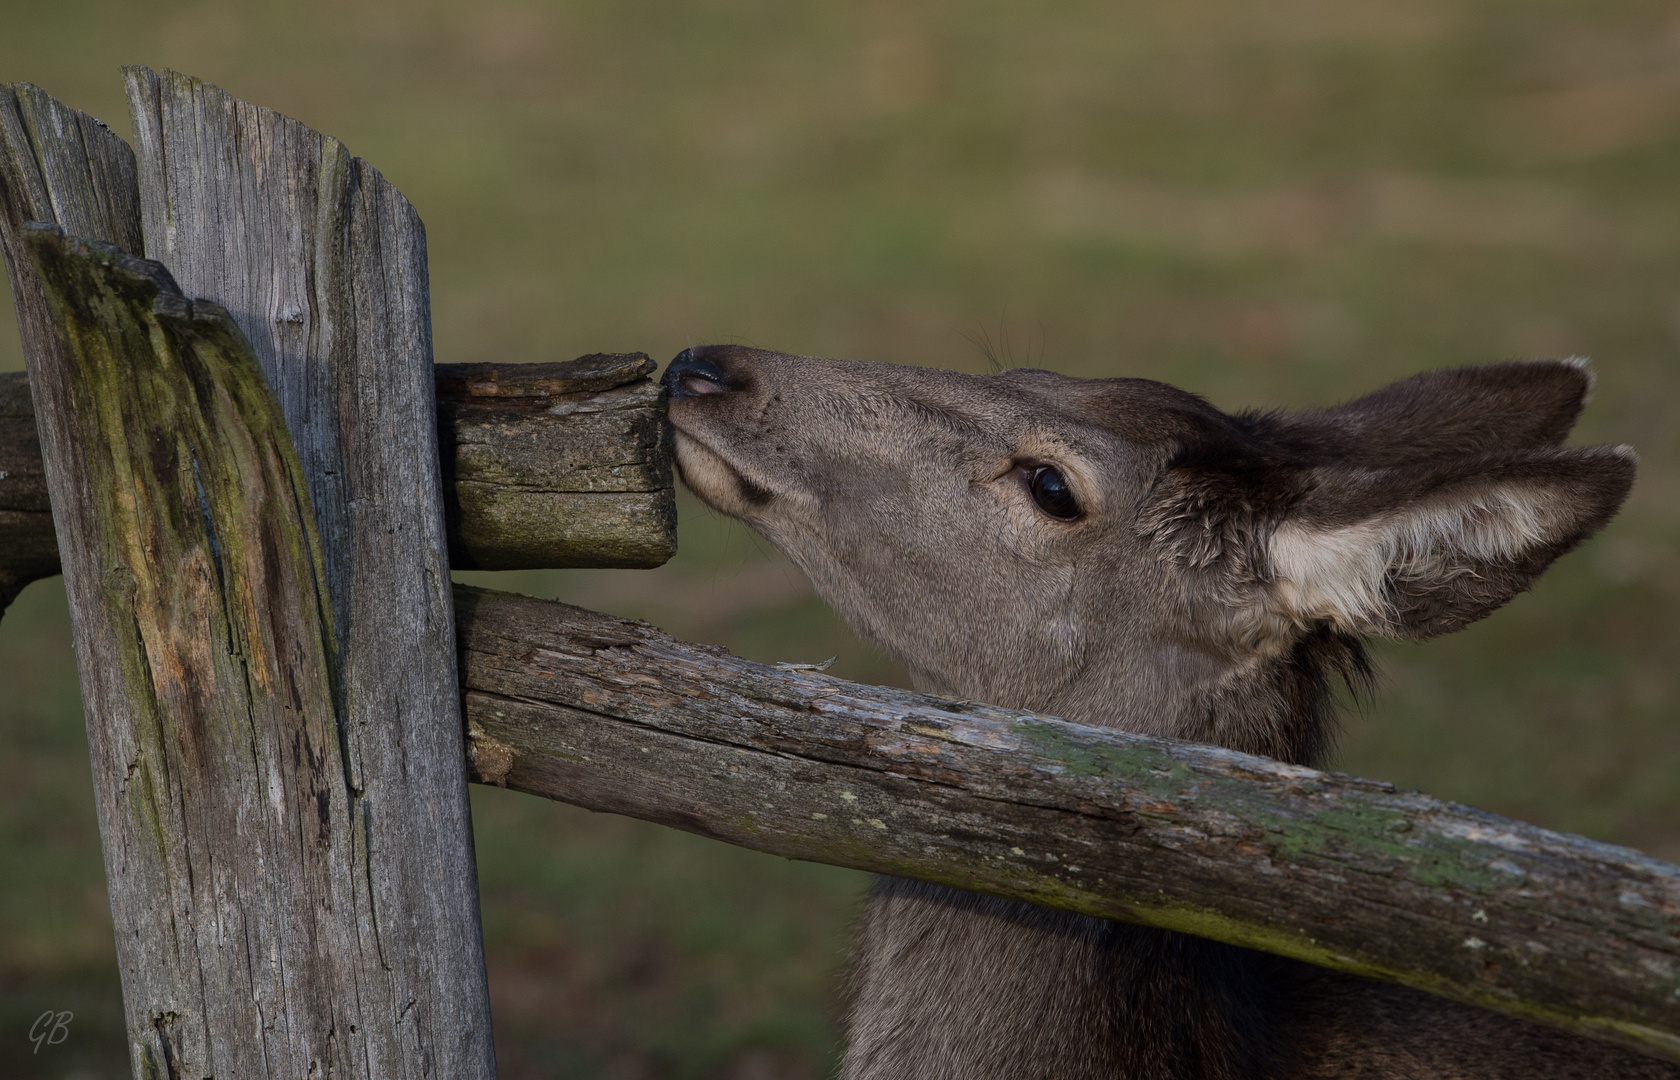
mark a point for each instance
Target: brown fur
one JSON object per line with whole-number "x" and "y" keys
{"x": 1221, "y": 571}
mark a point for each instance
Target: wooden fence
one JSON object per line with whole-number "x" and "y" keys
{"x": 256, "y": 500}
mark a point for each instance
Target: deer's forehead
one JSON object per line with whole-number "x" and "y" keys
{"x": 826, "y": 406}
{"x": 997, "y": 407}
{"x": 1139, "y": 411}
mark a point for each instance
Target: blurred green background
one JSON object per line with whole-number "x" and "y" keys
{"x": 1272, "y": 204}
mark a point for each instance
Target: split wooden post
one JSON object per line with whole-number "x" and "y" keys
{"x": 233, "y": 853}
{"x": 354, "y": 943}
{"x": 322, "y": 263}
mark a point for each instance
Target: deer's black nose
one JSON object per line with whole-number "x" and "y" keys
{"x": 692, "y": 375}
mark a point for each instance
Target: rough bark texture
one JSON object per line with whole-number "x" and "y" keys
{"x": 1341, "y": 872}
{"x": 56, "y": 165}
{"x": 322, "y": 264}
{"x": 236, "y": 862}
{"x": 544, "y": 465}
{"x": 556, "y": 464}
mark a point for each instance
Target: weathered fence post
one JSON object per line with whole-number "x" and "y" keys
{"x": 233, "y": 860}
{"x": 283, "y": 803}
{"x": 323, "y": 264}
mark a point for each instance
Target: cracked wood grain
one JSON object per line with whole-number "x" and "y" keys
{"x": 543, "y": 466}
{"x": 551, "y": 465}
{"x": 321, "y": 262}
{"x": 294, "y": 891}
{"x": 234, "y": 853}
{"x": 1345, "y": 873}
{"x": 56, "y": 165}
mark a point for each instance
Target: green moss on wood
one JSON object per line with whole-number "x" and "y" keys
{"x": 206, "y": 559}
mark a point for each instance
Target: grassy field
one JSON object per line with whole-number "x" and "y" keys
{"x": 1278, "y": 204}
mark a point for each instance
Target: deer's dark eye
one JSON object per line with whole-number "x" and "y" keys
{"x": 1051, "y": 492}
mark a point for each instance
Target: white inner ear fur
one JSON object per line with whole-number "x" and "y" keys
{"x": 1339, "y": 574}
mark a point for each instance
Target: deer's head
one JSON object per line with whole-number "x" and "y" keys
{"x": 1118, "y": 551}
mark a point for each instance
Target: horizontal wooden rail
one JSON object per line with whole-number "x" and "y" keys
{"x": 544, "y": 465}
{"x": 1342, "y": 872}
{"x": 551, "y": 465}
{"x": 28, "y": 548}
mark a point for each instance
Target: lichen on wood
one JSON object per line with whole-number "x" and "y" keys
{"x": 226, "y": 804}
{"x": 554, "y": 465}
{"x": 548, "y": 465}
{"x": 322, "y": 263}
{"x": 1346, "y": 873}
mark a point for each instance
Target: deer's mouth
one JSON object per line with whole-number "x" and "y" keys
{"x": 718, "y": 482}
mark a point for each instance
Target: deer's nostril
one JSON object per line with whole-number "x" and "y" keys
{"x": 691, "y": 375}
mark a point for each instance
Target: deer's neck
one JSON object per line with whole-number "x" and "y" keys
{"x": 1278, "y": 706}
{"x": 958, "y": 986}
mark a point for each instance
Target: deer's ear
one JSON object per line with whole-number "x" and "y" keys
{"x": 1441, "y": 414}
{"x": 1416, "y": 551}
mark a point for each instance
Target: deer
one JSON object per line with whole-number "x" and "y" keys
{"x": 1120, "y": 552}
